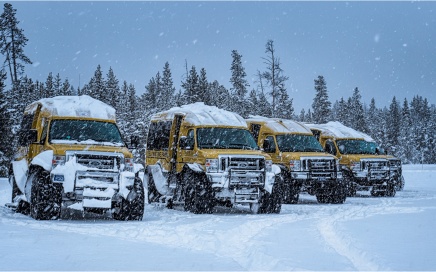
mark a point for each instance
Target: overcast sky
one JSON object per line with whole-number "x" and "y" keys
{"x": 385, "y": 49}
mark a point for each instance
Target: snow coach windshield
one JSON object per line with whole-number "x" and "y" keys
{"x": 225, "y": 138}
{"x": 84, "y": 132}
{"x": 356, "y": 147}
{"x": 298, "y": 143}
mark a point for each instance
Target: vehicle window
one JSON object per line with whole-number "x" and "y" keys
{"x": 298, "y": 143}
{"x": 225, "y": 138}
{"x": 159, "y": 135}
{"x": 269, "y": 146}
{"x": 26, "y": 126}
{"x": 330, "y": 148}
{"x": 356, "y": 147}
{"x": 71, "y": 131}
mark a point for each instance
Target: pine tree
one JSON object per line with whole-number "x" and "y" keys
{"x": 191, "y": 86}
{"x": 253, "y": 103}
{"x": 393, "y": 130}
{"x": 203, "y": 85}
{"x": 95, "y": 87}
{"x": 405, "y": 139}
{"x": 273, "y": 75}
{"x": 284, "y": 107}
{"x": 357, "y": 113}
{"x": 220, "y": 96}
{"x": 264, "y": 107}
{"x": 168, "y": 89}
{"x": 321, "y": 105}
{"x": 111, "y": 92}
{"x": 49, "y": 90}
{"x": 57, "y": 84}
{"x": 12, "y": 43}
{"x": 239, "y": 85}
{"x": 5, "y": 129}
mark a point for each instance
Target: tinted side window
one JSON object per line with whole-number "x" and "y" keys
{"x": 255, "y": 128}
{"x": 269, "y": 145}
{"x": 159, "y": 135}
{"x": 26, "y": 125}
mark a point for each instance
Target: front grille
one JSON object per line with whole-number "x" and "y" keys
{"x": 244, "y": 171}
{"x": 97, "y": 160}
{"x": 375, "y": 165}
{"x": 319, "y": 167}
{"x": 241, "y": 163}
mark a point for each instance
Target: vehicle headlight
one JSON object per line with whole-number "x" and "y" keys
{"x": 58, "y": 160}
{"x": 128, "y": 164}
{"x": 338, "y": 166}
{"x": 211, "y": 165}
{"x": 295, "y": 165}
{"x": 268, "y": 165}
{"x": 355, "y": 166}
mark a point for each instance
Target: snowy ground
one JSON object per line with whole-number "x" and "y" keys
{"x": 365, "y": 233}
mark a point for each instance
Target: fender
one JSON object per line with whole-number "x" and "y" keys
{"x": 160, "y": 180}
{"x": 20, "y": 170}
{"x": 277, "y": 169}
{"x": 44, "y": 159}
{"x": 195, "y": 167}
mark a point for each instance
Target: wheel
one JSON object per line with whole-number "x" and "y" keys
{"x": 131, "y": 208}
{"x": 46, "y": 197}
{"x": 291, "y": 193}
{"x": 153, "y": 194}
{"x": 350, "y": 188}
{"x": 390, "y": 190}
{"x": 198, "y": 194}
{"x": 272, "y": 203}
{"x": 338, "y": 195}
{"x": 323, "y": 199}
{"x": 399, "y": 184}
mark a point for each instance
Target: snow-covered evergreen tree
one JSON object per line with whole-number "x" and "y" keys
{"x": 239, "y": 84}
{"x": 49, "y": 90}
{"x": 96, "y": 85}
{"x": 321, "y": 105}
{"x": 168, "y": 89}
{"x": 253, "y": 103}
{"x": 405, "y": 146}
{"x": 12, "y": 43}
{"x": 393, "y": 127}
{"x": 111, "y": 91}
{"x": 356, "y": 112}
{"x": 191, "y": 87}
{"x": 5, "y": 129}
{"x": 284, "y": 108}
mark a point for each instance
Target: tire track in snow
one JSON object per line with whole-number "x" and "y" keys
{"x": 343, "y": 244}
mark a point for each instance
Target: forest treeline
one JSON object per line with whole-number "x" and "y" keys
{"x": 406, "y": 128}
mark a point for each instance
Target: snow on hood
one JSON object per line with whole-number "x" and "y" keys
{"x": 201, "y": 114}
{"x": 280, "y": 125}
{"x": 338, "y": 130}
{"x": 74, "y": 106}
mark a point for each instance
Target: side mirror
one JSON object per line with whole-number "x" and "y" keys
{"x": 267, "y": 146}
{"x": 186, "y": 143}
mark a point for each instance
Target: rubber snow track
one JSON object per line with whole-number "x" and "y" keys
{"x": 306, "y": 236}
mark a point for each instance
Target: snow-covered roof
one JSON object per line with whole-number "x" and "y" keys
{"x": 280, "y": 125}
{"x": 338, "y": 130}
{"x": 200, "y": 114}
{"x": 74, "y": 106}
